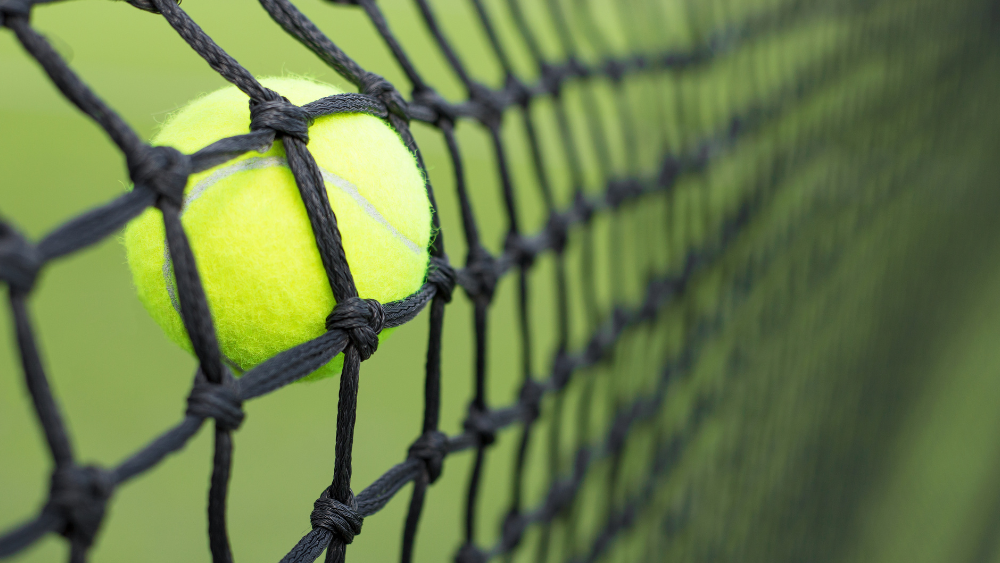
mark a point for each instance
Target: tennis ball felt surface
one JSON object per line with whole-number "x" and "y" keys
{"x": 251, "y": 237}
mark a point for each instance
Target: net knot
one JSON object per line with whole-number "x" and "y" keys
{"x": 552, "y": 77}
{"x": 164, "y": 170}
{"x": 442, "y": 276}
{"x": 580, "y": 463}
{"x": 80, "y": 495}
{"x": 148, "y": 5}
{"x": 513, "y": 529}
{"x": 282, "y": 117}
{"x": 520, "y": 249}
{"x": 432, "y": 107}
{"x": 560, "y": 497}
{"x": 469, "y": 553}
{"x": 431, "y": 448}
{"x": 619, "y": 431}
{"x": 562, "y": 369}
{"x": 620, "y": 318}
{"x": 614, "y": 69}
{"x": 482, "y": 271}
{"x": 678, "y": 60}
{"x": 699, "y": 160}
{"x": 600, "y": 343}
{"x": 481, "y": 424}
{"x": 19, "y": 260}
{"x": 576, "y": 68}
{"x": 632, "y": 188}
{"x": 377, "y": 87}
{"x": 558, "y": 231}
{"x": 362, "y": 320}
{"x": 20, "y": 8}
{"x": 218, "y": 401}
{"x": 517, "y": 90}
{"x": 489, "y": 105}
{"x": 650, "y": 306}
{"x": 14, "y": 8}
{"x": 620, "y": 191}
{"x": 583, "y": 206}
{"x": 669, "y": 170}
{"x": 531, "y": 399}
{"x": 341, "y": 520}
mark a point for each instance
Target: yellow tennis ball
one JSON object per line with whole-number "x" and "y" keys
{"x": 251, "y": 237}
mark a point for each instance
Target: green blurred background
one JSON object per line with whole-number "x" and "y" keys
{"x": 864, "y": 423}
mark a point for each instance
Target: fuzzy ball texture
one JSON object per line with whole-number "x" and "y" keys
{"x": 251, "y": 237}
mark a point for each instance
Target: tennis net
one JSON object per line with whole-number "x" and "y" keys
{"x": 699, "y": 233}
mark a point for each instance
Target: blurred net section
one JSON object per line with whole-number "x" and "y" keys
{"x": 722, "y": 193}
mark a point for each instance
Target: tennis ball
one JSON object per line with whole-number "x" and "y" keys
{"x": 252, "y": 240}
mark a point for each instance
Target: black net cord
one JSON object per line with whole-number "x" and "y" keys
{"x": 159, "y": 176}
{"x": 197, "y": 320}
{"x": 555, "y": 418}
{"x": 294, "y": 134}
{"x": 492, "y": 119}
{"x": 591, "y": 109}
{"x": 219, "y": 60}
{"x": 531, "y": 392}
{"x": 302, "y": 29}
{"x": 38, "y": 385}
{"x": 346, "y": 410}
{"x": 202, "y": 337}
{"x": 376, "y": 17}
{"x": 218, "y": 536}
{"x": 432, "y": 454}
{"x": 453, "y": 61}
{"x": 413, "y": 517}
{"x": 554, "y": 467}
{"x": 482, "y": 434}
{"x": 193, "y": 302}
{"x": 346, "y": 415}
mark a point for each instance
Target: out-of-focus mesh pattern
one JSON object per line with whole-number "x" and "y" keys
{"x": 719, "y": 186}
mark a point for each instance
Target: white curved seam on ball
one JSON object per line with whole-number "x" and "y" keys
{"x": 258, "y": 163}
{"x": 352, "y": 190}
